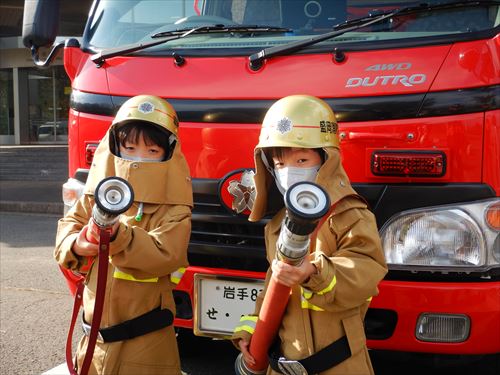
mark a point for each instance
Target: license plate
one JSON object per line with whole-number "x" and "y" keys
{"x": 220, "y": 302}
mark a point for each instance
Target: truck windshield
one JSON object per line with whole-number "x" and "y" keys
{"x": 272, "y": 23}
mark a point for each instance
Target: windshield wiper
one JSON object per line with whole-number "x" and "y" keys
{"x": 219, "y": 28}
{"x": 101, "y": 56}
{"x": 257, "y": 59}
{"x": 423, "y": 6}
{"x": 167, "y": 36}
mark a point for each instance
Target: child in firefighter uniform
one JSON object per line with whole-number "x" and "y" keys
{"x": 332, "y": 288}
{"x": 149, "y": 245}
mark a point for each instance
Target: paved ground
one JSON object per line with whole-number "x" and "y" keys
{"x": 35, "y": 304}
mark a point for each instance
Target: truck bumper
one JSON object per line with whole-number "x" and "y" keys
{"x": 395, "y": 311}
{"x": 479, "y": 301}
{"x": 403, "y": 303}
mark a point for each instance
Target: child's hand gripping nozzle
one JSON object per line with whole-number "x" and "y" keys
{"x": 306, "y": 203}
{"x": 113, "y": 196}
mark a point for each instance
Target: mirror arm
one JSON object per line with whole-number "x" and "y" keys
{"x": 52, "y": 55}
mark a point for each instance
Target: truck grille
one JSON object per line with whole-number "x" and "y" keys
{"x": 221, "y": 239}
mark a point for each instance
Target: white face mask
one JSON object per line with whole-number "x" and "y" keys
{"x": 138, "y": 158}
{"x": 286, "y": 177}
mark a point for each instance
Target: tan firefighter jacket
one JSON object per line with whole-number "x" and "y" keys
{"x": 350, "y": 263}
{"x": 143, "y": 257}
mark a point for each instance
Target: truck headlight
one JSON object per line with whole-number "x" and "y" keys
{"x": 452, "y": 238}
{"x": 72, "y": 190}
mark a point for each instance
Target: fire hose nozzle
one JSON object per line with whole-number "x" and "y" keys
{"x": 113, "y": 196}
{"x": 306, "y": 203}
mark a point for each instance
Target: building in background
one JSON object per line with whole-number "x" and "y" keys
{"x": 34, "y": 102}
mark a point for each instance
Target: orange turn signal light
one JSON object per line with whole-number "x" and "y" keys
{"x": 408, "y": 163}
{"x": 493, "y": 216}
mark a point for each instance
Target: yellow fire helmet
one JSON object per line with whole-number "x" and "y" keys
{"x": 150, "y": 109}
{"x": 299, "y": 121}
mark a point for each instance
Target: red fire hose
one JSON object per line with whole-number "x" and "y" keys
{"x": 270, "y": 315}
{"x": 104, "y": 239}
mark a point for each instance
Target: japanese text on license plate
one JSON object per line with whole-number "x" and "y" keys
{"x": 220, "y": 302}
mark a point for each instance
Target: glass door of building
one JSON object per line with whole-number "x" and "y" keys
{"x": 6, "y": 107}
{"x": 49, "y": 92}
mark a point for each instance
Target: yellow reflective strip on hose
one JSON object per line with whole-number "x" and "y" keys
{"x": 329, "y": 287}
{"x": 125, "y": 276}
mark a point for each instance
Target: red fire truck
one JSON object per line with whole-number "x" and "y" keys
{"x": 416, "y": 90}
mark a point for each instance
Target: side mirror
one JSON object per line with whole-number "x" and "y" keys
{"x": 40, "y": 22}
{"x": 40, "y": 27}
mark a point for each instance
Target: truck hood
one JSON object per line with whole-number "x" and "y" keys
{"x": 367, "y": 73}
{"x": 364, "y": 73}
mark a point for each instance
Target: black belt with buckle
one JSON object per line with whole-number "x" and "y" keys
{"x": 146, "y": 323}
{"x": 328, "y": 357}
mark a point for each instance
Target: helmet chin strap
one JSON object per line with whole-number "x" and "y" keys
{"x": 116, "y": 146}
{"x": 266, "y": 163}
{"x": 172, "y": 141}
{"x": 271, "y": 171}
